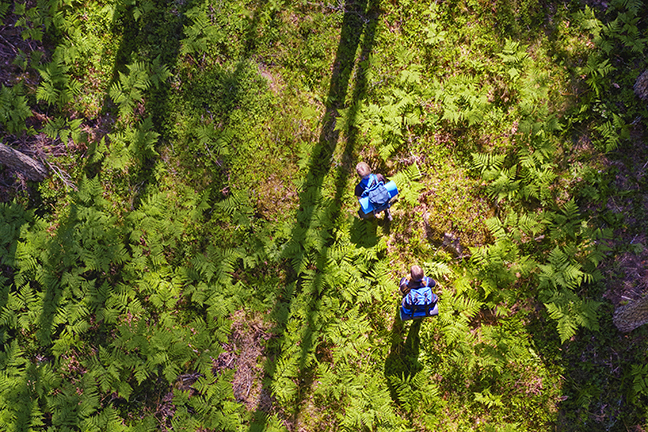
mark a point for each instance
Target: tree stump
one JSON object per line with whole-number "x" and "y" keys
{"x": 634, "y": 314}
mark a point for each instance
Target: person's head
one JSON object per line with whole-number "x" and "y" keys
{"x": 363, "y": 169}
{"x": 417, "y": 273}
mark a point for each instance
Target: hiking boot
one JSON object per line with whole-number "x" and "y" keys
{"x": 388, "y": 215}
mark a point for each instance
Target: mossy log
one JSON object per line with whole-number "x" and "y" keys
{"x": 30, "y": 168}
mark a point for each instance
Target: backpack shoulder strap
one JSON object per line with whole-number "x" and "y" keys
{"x": 410, "y": 300}
{"x": 429, "y": 282}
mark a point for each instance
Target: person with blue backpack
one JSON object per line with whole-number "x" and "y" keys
{"x": 373, "y": 195}
{"x": 419, "y": 301}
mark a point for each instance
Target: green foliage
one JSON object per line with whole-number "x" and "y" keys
{"x": 389, "y": 122}
{"x": 463, "y": 99}
{"x": 407, "y": 182}
{"x": 515, "y": 57}
{"x": 129, "y": 90}
{"x": 4, "y": 7}
{"x": 13, "y": 109}
{"x": 147, "y": 343}
{"x": 597, "y": 69}
{"x": 36, "y": 19}
{"x": 415, "y": 392}
{"x": 203, "y": 201}
{"x": 639, "y": 373}
{"x": 202, "y": 34}
{"x": 612, "y": 133}
{"x": 562, "y": 271}
{"x": 64, "y": 129}
{"x": 488, "y": 163}
{"x": 571, "y": 312}
{"x": 133, "y": 144}
{"x": 57, "y": 86}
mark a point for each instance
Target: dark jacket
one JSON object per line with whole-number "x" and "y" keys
{"x": 406, "y": 285}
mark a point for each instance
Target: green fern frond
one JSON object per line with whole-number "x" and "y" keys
{"x": 496, "y": 227}
{"x": 406, "y": 181}
{"x": 437, "y": 270}
{"x": 505, "y": 186}
{"x": 487, "y": 161}
{"x": 571, "y": 312}
{"x": 13, "y": 108}
{"x": 57, "y": 86}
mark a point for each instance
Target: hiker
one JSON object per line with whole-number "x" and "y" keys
{"x": 418, "y": 299}
{"x": 368, "y": 183}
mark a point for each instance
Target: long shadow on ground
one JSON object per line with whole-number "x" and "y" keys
{"x": 358, "y": 31}
{"x": 402, "y": 361}
{"x": 155, "y": 34}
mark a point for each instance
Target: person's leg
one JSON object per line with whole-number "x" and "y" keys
{"x": 388, "y": 215}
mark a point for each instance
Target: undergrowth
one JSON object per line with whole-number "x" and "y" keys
{"x": 203, "y": 159}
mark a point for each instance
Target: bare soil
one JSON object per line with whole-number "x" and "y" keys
{"x": 245, "y": 353}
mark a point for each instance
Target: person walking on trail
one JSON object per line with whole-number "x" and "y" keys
{"x": 419, "y": 300}
{"x": 370, "y": 182}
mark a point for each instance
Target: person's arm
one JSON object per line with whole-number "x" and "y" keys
{"x": 429, "y": 282}
{"x": 358, "y": 190}
{"x": 403, "y": 286}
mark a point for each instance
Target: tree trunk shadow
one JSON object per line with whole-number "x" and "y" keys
{"x": 358, "y": 30}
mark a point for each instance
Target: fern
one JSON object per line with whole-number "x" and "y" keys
{"x": 639, "y": 374}
{"x": 567, "y": 224}
{"x": 514, "y": 56}
{"x": 238, "y": 207}
{"x": 625, "y": 29}
{"x": 487, "y": 162}
{"x": 487, "y": 398}
{"x": 562, "y": 271}
{"x": 437, "y": 270}
{"x": 64, "y": 128}
{"x": 571, "y": 312}
{"x": 132, "y": 145}
{"x": 4, "y": 7}
{"x": 202, "y": 35}
{"x": 434, "y": 35}
{"x": 57, "y": 87}
{"x": 463, "y": 99}
{"x": 387, "y": 123}
{"x": 612, "y": 133}
{"x": 13, "y": 108}
{"x": 414, "y": 392}
{"x": 504, "y": 186}
{"x": 130, "y": 88}
{"x": 408, "y": 186}
{"x": 348, "y": 118}
{"x": 538, "y": 182}
{"x": 597, "y": 69}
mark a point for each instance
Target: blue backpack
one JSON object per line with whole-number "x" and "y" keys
{"x": 377, "y": 193}
{"x": 420, "y": 302}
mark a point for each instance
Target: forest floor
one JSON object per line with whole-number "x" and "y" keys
{"x": 228, "y": 192}
{"x": 626, "y": 273}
